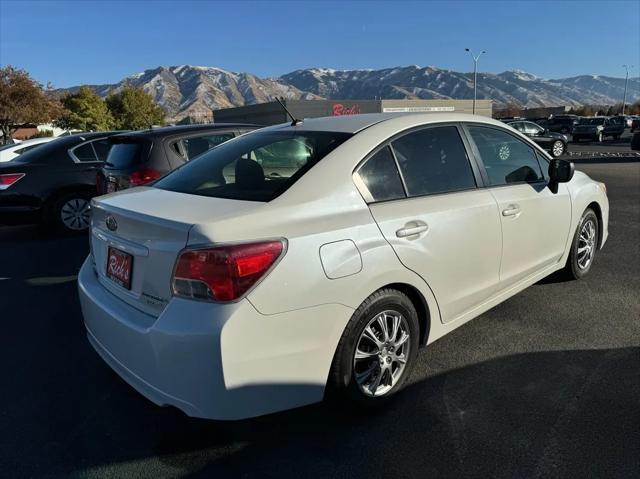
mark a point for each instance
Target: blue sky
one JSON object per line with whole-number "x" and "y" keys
{"x": 75, "y": 42}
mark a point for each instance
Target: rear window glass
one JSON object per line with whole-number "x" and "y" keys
{"x": 125, "y": 155}
{"x": 255, "y": 167}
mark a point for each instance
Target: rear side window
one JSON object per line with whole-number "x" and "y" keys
{"x": 255, "y": 167}
{"x": 84, "y": 153}
{"x": 191, "y": 147}
{"x": 506, "y": 158}
{"x": 125, "y": 155}
{"x": 381, "y": 178}
{"x": 102, "y": 148}
{"x": 433, "y": 160}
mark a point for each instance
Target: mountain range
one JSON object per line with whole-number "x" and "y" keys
{"x": 194, "y": 91}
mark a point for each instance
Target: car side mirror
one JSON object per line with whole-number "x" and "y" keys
{"x": 560, "y": 171}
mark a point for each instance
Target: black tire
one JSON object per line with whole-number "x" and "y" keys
{"x": 342, "y": 382}
{"x": 573, "y": 269}
{"x": 54, "y": 212}
{"x": 553, "y": 148}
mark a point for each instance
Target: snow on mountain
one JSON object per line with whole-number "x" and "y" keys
{"x": 186, "y": 90}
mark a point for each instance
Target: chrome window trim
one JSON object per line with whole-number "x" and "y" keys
{"x": 75, "y": 159}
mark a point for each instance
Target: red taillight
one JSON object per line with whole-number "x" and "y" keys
{"x": 143, "y": 177}
{"x": 7, "y": 180}
{"x": 223, "y": 273}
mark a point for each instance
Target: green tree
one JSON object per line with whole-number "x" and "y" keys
{"x": 133, "y": 109}
{"x": 23, "y": 102}
{"x": 85, "y": 110}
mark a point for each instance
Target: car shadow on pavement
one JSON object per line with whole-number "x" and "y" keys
{"x": 544, "y": 414}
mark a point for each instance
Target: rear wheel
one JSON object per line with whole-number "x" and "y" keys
{"x": 377, "y": 350}
{"x": 584, "y": 246}
{"x": 70, "y": 213}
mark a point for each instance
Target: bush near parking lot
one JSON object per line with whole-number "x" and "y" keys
{"x": 134, "y": 109}
{"x": 23, "y": 101}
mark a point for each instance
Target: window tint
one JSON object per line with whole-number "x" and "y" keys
{"x": 102, "y": 148}
{"x": 84, "y": 153}
{"x": 125, "y": 155}
{"x": 517, "y": 125}
{"x": 380, "y": 175}
{"x": 433, "y": 160}
{"x": 256, "y": 167}
{"x": 191, "y": 147}
{"x": 506, "y": 158}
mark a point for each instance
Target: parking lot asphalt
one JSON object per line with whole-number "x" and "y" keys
{"x": 544, "y": 385}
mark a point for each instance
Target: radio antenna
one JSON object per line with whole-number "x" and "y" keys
{"x": 294, "y": 120}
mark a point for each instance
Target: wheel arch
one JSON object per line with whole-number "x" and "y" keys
{"x": 595, "y": 206}
{"x": 74, "y": 188}
{"x": 420, "y": 303}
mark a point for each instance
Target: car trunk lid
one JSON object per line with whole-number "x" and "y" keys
{"x": 152, "y": 226}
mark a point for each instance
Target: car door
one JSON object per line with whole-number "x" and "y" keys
{"x": 88, "y": 158}
{"x": 535, "y": 221}
{"x": 422, "y": 192}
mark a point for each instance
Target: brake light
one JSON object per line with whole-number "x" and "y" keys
{"x": 9, "y": 179}
{"x": 223, "y": 273}
{"x": 142, "y": 177}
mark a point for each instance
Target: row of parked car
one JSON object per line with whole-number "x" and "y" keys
{"x": 53, "y": 179}
{"x": 582, "y": 128}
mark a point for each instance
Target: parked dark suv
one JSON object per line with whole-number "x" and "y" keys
{"x": 562, "y": 124}
{"x": 54, "y": 182}
{"x": 140, "y": 157}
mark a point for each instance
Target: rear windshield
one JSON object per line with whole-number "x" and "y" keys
{"x": 255, "y": 167}
{"x": 125, "y": 155}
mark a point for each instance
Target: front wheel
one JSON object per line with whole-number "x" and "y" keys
{"x": 557, "y": 149}
{"x": 583, "y": 247}
{"x": 377, "y": 350}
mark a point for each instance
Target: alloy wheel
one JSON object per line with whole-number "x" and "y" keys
{"x": 586, "y": 244}
{"x": 558, "y": 148}
{"x": 76, "y": 214}
{"x": 381, "y": 353}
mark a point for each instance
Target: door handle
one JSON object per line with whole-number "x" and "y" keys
{"x": 511, "y": 210}
{"x": 412, "y": 228}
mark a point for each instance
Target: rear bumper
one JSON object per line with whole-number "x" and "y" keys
{"x": 216, "y": 361}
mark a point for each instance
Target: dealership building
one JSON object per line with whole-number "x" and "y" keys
{"x": 271, "y": 113}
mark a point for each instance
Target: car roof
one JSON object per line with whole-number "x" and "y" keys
{"x": 355, "y": 123}
{"x": 180, "y": 129}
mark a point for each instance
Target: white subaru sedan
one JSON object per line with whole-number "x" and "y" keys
{"x": 318, "y": 257}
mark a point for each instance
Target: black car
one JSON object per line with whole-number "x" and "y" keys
{"x": 54, "y": 182}
{"x": 562, "y": 124}
{"x": 554, "y": 143}
{"x": 140, "y": 157}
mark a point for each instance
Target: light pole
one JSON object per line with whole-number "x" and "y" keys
{"x": 626, "y": 78}
{"x": 475, "y": 74}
